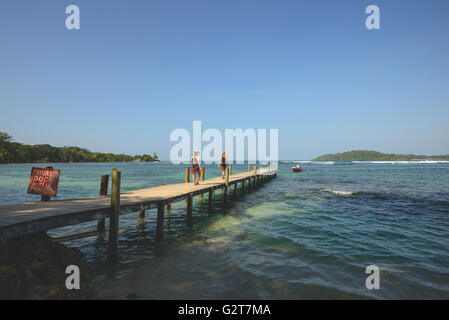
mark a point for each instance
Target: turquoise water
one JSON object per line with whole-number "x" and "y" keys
{"x": 307, "y": 235}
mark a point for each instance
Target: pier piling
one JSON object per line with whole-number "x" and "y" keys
{"x": 234, "y": 195}
{"x": 115, "y": 214}
{"x": 211, "y": 199}
{"x": 160, "y": 220}
{"x": 103, "y": 193}
{"x": 254, "y": 177}
{"x": 203, "y": 173}
{"x": 189, "y": 209}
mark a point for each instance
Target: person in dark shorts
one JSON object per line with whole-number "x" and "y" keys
{"x": 222, "y": 164}
{"x": 195, "y": 164}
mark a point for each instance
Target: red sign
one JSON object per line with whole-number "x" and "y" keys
{"x": 44, "y": 181}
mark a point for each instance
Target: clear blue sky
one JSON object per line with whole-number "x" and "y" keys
{"x": 136, "y": 70}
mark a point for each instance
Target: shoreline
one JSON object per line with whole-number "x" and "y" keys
{"x": 81, "y": 162}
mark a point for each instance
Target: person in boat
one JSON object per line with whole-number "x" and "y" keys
{"x": 195, "y": 164}
{"x": 222, "y": 164}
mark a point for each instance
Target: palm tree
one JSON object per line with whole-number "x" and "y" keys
{"x": 4, "y": 138}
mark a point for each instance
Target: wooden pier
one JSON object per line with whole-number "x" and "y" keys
{"x": 34, "y": 217}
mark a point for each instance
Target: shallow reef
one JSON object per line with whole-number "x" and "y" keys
{"x": 33, "y": 267}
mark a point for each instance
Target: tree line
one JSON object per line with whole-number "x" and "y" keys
{"x": 14, "y": 152}
{"x": 362, "y": 155}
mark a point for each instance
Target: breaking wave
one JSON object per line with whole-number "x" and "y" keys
{"x": 341, "y": 192}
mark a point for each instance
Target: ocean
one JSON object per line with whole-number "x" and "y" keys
{"x": 301, "y": 236}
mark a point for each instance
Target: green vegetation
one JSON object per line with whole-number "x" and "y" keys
{"x": 14, "y": 152}
{"x": 146, "y": 157}
{"x": 361, "y": 155}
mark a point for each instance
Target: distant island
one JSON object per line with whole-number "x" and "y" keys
{"x": 366, "y": 155}
{"x": 14, "y": 152}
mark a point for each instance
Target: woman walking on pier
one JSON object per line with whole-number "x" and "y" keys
{"x": 195, "y": 164}
{"x": 222, "y": 163}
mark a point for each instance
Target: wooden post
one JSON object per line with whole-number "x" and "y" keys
{"x": 189, "y": 209}
{"x": 103, "y": 193}
{"x": 225, "y": 194}
{"x": 226, "y": 185}
{"x": 168, "y": 211}
{"x": 234, "y": 195}
{"x": 203, "y": 173}
{"x": 243, "y": 186}
{"x": 115, "y": 214}
{"x": 160, "y": 220}
{"x": 211, "y": 198}
{"x": 255, "y": 175}
{"x": 249, "y": 167}
{"x": 104, "y": 185}
{"x": 187, "y": 175}
{"x": 230, "y": 170}
{"x": 46, "y": 198}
